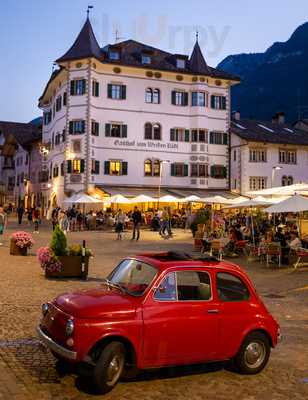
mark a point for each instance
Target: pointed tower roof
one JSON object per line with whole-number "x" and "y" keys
{"x": 84, "y": 46}
{"x": 197, "y": 62}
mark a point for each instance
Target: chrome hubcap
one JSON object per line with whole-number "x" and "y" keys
{"x": 255, "y": 354}
{"x": 115, "y": 369}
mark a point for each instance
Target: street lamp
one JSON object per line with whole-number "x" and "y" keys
{"x": 274, "y": 169}
{"x": 161, "y": 163}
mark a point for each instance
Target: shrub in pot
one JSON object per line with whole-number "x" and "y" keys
{"x": 59, "y": 261}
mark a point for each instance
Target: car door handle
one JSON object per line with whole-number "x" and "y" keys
{"x": 213, "y": 311}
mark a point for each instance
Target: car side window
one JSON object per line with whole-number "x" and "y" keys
{"x": 193, "y": 285}
{"x": 167, "y": 289}
{"x": 231, "y": 288}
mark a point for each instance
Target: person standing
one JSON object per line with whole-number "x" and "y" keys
{"x": 120, "y": 222}
{"x": 29, "y": 214}
{"x": 20, "y": 213}
{"x": 3, "y": 223}
{"x": 64, "y": 222}
{"x": 137, "y": 218}
{"x": 36, "y": 219}
{"x": 54, "y": 218}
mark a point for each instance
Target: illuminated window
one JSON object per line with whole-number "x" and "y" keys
{"x": 76, "y": 166}
{"x": 156, "y": 168}
{"x": 115, "y": 167}
{"x": 148, "y": 168}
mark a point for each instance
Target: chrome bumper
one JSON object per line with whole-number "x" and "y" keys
{"x": 62, "y": 351}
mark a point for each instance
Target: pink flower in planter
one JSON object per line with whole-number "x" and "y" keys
{"x": 47, "y": 260}
{"x": 22, "y": 239}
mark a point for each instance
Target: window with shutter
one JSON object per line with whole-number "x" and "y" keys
{"x": 185, "y": 170}
{"x": 109, "y": 91}
{"x": 173, "y": 96}
{"x": 64, "y": 98}
{"x": 148, "y": 131}
{"x": 71, "y": 128}
{"x": 69, "y": 166}
{"x": 225, "y": 139}
{"x": 172, "y": 135}
{"x": 97, "y": 167}
{"x": 187, "y": 135}
{"x": 185, "y": 99}
{"x": 172, "y": 170}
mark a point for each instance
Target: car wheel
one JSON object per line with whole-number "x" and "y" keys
{"x": 109, "y": 367}
{"x": 253, "y": 354}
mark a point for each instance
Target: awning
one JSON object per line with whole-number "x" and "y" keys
{"x": 134, "y": 191}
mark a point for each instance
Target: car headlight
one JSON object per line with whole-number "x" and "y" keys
{"x": 45, "y": 308}
{"x": 69, "y": 327}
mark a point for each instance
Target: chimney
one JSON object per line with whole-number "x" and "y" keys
{"x": 236, "y": 115}
{"x": 279, "y": 118}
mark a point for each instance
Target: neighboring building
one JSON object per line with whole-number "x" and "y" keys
{"x": 266, "y": 154}
{"x": 20, "y": 163}
{"x": 128, "y": 116}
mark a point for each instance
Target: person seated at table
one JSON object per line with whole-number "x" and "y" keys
{"x": 238, "y": 233}
{"x": 280, "y": 237}
{"x": 230, "y": 246}
{"x": 295, "y": 242}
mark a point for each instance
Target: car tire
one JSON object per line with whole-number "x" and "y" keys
{"x": 253, "y": 354}
{"x": 109, "y": 367}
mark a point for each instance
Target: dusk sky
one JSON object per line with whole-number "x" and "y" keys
{"x": 34, "y": 33}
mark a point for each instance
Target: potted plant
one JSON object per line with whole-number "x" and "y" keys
{"x": 60, "y": 261}
{"x": 20, "y": 243}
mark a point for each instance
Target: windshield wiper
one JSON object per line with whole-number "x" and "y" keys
{"x": 114, "y": 285}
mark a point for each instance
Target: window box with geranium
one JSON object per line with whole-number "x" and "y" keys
{"x": 20, "y": 243}
{"x": 60, "y": 261}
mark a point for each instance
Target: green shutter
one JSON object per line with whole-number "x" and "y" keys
{"x": 172, "y": 135}
{"x": 97, "y": 167}
{"x": 96, "y": 128}
{"x": 107, "y": 129}
{"x": 187, "y": 135}
{"x": 69, "y": 166}
{"x": 123, "y": 92}
{"x": 172, "y": 170}
{"x": 185, "y": 170}
{"x": 185, "y": 99}
{"x": 71, "y": 127}
{"x": 211, "y": 138}
{"x": 225, "y": 138}
{"x": 109, "y": 91}
{"x": 212, "y": 101}
{"x": 213, "y": 170}
{"x": 83, "y": 86}
{"x": 82, "y": 165}
{"x": 107, "y": 167}
{"x": 72, "y": 87}
{"x": 223, "y": 103}
{"x": 124, "y": 131}
{"x": 96, "y": 89}
{"x": 124, "y": 168}
{"x": 173, "y": 97}
{"x": 64, "y": 98}
{"x": 224, "y": 172}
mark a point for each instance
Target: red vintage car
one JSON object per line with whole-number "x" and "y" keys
{"x": 157, "y": 310}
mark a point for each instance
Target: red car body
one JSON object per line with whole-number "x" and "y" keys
{"x": 159, "y": 332}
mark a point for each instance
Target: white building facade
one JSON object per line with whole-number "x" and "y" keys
{"x": 266, "y": 154}
{"x": 132, "y": 116}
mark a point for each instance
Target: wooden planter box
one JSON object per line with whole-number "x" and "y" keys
{"x": 71, "y": 268}
{"x": 17, "y": 251}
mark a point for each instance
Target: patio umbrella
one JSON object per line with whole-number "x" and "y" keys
{"x": 237, "y": 200}
{"x": 119, "y": 199}
{"x": 280, "y": 190}
{"x": 214, "y": 200}
{"x": 190, "y": 199}
{"x": 168, "y": 199}
{"x": 82, "y": 198}
{"x": 296, "y": 203}
{"x": 249, "y": 204}
{"x": 142, "y": 198}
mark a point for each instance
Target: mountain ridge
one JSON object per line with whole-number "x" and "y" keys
{"x": 275, "y": 80}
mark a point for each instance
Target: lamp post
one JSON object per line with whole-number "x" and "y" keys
{"x": 274, "y": 169}
{"x": 161, "y": 163}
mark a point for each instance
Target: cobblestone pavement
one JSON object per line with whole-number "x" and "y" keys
{"x": 28, "y": 371}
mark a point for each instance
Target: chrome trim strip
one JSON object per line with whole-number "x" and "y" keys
{"x": 62, "y": 351}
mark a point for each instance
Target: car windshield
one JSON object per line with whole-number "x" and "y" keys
{"x": 133, "y": 276}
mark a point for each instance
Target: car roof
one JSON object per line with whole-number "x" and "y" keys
{"x": 163, "y": 261}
